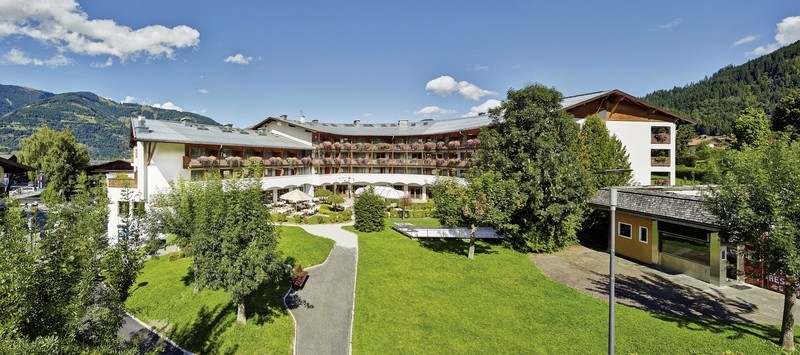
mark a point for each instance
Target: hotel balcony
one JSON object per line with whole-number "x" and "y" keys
{"x": 122, "y": 182}
{"x": 470, "y": 144}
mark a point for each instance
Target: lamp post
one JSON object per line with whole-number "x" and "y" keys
{"x": 612, "y": 203}
{"x": 611, "y": 272}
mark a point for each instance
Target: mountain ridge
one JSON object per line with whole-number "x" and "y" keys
{"x": 99, "y": 123}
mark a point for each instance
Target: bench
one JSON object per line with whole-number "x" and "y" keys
{"x": 299, "y": 277}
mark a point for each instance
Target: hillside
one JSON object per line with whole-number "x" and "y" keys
{"x": 98, "y": 123}
{"x": 716, "y": 101}
{"x": 13, "y": 97}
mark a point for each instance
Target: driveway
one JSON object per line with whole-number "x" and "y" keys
{"x": 323, "y": 309}
{"x": 659, "y": 291}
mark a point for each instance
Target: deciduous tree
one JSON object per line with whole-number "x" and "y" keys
{"x": 751, "y": 128}
{"x": 59, "y": 156}
{"x": 534, "y": 143}
{"x": 758, "y": 202}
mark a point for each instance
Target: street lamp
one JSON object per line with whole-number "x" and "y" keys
{"x": 612, "y": 203}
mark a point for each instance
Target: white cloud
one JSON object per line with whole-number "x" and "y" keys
{"x": 788, "y": 32}
{"x": 203, "y": 91}
{"x": 129, "y": 100}
{"x": 446, "y": 85}
{"x": 483, "y": 108}
{"x": 672, "y": 24}
{"x": 19, "y": 57}
{"x": 168, "y": 106}
{"x": 61, "y": 23}
{"x": 479, "y": 67}
{"x": 433, "y": 111}
{"x": 239, "y": 58}
{"x": 744, "y": 40}
{"x": 516, "y": 66}
{"x": 367, "y": 114}
{"x": 109, "y": 62}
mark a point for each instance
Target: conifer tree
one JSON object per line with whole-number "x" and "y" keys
{"x": 369, "y": 211}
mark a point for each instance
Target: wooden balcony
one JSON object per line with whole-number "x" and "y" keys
{"x": 122, "y": 183}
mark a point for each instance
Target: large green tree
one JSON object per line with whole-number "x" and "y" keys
{"x": 234, "y": 242}
{"x": 534, "y": 143}
{"x": 787, "y": 113}
{"x": 52, "y": 298}
{"x": 486, "y": 200}
{"x": 751, "y": 128}
{"x": 59, "y": 156}
{"x": 369, "y": 211}
{"x": 602, "y": 151}
{"x": 758, "y": 203}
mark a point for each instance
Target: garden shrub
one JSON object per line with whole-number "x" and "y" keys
{"x": 369, "y": 210}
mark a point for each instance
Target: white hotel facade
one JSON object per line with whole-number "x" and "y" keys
{"x": 344, "y": 156}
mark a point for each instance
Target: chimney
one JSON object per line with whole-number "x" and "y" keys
{"x": 314, "y": 121}
{"x": 356, "y": 123}
{"x": 284, "y": 117}
{"x": 141, "y": 125}
{"x": 403, "y": 124}
{"x": 187, "y": 121}
{"x": 302, "y": 118}
{"x": 227, "y": 128}
{"x": 263, "y": 131}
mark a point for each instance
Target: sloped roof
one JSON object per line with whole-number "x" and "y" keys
{"x": 176, "y": 132}
{"x": 433, "y": 127}
{"x": 414, "y": 128}
{"x": 677, "y": 205}
{"x": 13, "y": 167}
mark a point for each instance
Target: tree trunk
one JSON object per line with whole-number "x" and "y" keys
{"x": 241, "y": 318}
{"x": 787, "y": 326}
{"x": 196, "y": 282}
{"x": 471, "y": 254}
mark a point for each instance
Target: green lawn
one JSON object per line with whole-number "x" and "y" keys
{"x": 205, "y": 322}
{"x": 426, "y": 297}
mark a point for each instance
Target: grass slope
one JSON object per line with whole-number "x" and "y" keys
{"x": 205, "y": 322}
{"x": 426, "y": 297}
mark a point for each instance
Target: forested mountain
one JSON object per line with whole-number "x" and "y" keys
{"x": 716, "y": 101}
{"x": 98, "y": 123}
{"x": 13, "y": 97}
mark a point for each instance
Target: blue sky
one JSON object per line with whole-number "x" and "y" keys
{"x": 241, "y": 61}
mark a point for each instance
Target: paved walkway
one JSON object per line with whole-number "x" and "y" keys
{"x": 646, "y": 288}
{"x": 323, "y": 309}
{"x": 132, "y": 327}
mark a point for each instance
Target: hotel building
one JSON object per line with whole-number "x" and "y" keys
{"x": 407, "y": 155}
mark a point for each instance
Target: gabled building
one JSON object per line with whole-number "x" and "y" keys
{"x": 341, "y": 157}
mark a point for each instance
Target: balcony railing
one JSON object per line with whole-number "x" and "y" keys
{"x": 122, "y": 183}
{"x": 399, "y": 147}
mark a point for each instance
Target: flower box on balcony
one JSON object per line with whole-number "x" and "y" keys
{"x": 453, "y": 144}
{"x": 347, "y": 146}
{"x": 659, "y": 161}
{"x": 473, "y": 143}
{"x": 417, "y": 146}
{"x": 327, "y": 145}
{"x": 659, "y": 138}
{"x": 337, "y": 146}
{"x": 234, "y": 162}
{"x": 441, "y": 145}
{"x": 430, "y": 146}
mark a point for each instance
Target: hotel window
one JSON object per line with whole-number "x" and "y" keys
{"x": 643, "y": 236}
{"x": 123, "y": 208}
{"x": 247, "y": 153}
{"x": 226, "y": 152}
{"x": 196, "y": 152}
{"x": 624, "y": 230}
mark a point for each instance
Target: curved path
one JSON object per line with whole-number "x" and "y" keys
{"x": 323, "y": 309}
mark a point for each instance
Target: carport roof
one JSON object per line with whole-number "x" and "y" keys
{"x": 672, "y": 204}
